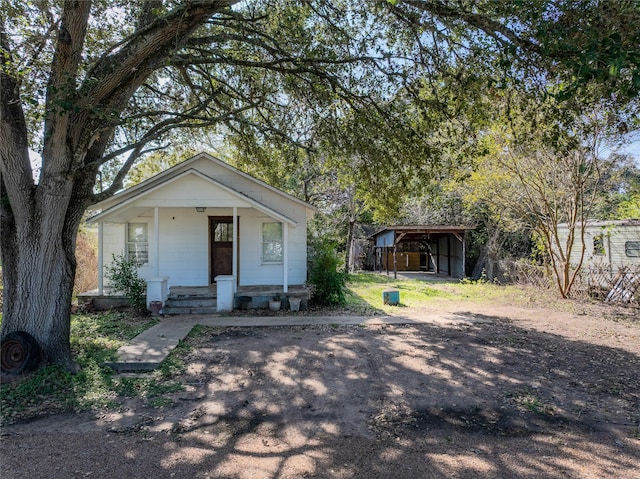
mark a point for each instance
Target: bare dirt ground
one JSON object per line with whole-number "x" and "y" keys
{"x": 528, "y": 392}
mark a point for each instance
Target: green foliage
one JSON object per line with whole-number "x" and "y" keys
{"x": 123, "y": 277}
{"x": 327, "y": 280}
{"x": 620, "y": 188}
{"x": 367, "y": 288}
{"x": 155, "y": 163}
{"x": 629, "y": 207}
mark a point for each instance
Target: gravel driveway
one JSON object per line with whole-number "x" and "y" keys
{"x": 526, "y": 393}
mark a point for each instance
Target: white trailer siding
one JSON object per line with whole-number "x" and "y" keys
{"x": 618, "y": 255}
{"x": 607, "y": 243}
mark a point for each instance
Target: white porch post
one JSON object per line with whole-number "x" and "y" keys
{"x": 285, "y": 259}
{"x": 234, "y": 250}
{"x": 100, "y": 260}
{"x": 156, "y": 241}
{"x": 157, "y": 291}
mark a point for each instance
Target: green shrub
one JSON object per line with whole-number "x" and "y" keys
{"x": 123, "y": 277}
{"x": 327, "y": 281}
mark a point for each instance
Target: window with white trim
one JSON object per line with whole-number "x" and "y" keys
{"x": 137, "y": 242}
{"x": 272, "y": 250}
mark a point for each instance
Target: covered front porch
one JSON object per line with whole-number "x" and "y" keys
{"x": 204, "y": 299}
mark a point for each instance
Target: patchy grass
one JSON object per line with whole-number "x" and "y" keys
{"x": 157, "y": 386}
{"x": 527, "y": 400}
{"x": 365, "y": 297}
{"x": 95, "y": 338}
{"x": 365, "y": 292}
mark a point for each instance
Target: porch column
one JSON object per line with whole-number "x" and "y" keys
{"x": 234, "y": 250}
{"x": 285, "y": 257}
{"x": 100, "y": 260}
{"x": 156, "y": 239}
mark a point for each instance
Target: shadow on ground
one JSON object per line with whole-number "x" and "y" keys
{"x": 467, "y": 400}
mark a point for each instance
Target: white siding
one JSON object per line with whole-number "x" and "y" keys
{"x": 184, "y": 246}
{"x": 252, "y": 270}
{"x": 114, "y": 240}
{"x": 184, "y": 233}
{"x": 189, "y": 191}
{"x": 614, "y": 238}
{"x": 616, "y": 243}
{"x": 248, "y": 186}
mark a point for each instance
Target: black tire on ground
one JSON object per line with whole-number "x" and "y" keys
{"x": 20, "y": 353}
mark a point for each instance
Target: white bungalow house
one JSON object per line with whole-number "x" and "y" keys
{"x": 202, "y": 223}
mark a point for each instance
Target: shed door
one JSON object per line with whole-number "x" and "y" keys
{"x": 221, "y": 239}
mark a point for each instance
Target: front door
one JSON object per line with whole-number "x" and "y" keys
{"x": 221, "y": 238}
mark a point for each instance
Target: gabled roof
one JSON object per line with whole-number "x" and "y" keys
{"x": 183, "y": 169}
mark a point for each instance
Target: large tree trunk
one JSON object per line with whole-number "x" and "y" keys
{"x": 38, "y": 257}
{"x": 40, "y": 221}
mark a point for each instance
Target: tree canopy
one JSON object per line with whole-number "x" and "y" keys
{"x": 388, "y": 91}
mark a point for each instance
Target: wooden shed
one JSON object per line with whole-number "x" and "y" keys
{"x": 426, "y": 248}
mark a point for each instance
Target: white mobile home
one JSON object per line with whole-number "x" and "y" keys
{"x": 614, "y": 243}
{"x": 204, "y": 221}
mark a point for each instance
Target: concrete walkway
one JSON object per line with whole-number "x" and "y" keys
{"x": 147, "y": 350}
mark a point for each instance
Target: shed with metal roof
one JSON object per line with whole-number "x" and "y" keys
{"x": 427, "y": 248}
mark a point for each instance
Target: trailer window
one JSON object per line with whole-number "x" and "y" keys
{"x": 598, "y": 245}
{"x": 632, "y": 249}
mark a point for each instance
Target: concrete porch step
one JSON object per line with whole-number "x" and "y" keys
{"x": 187, "y": 296}
{"x": 171, "y": 310}
{"x": 190, "y": 304}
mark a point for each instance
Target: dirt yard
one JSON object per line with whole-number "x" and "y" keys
{"x": 518, "y": 392}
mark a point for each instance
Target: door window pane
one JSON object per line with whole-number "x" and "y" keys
{"x": 223, "y": 232}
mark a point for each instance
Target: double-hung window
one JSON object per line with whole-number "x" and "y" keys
{"x": 137, "y": 243}
{"x": 272, "y": 250}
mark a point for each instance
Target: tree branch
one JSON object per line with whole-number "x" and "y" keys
{"x": 14, "y": 143}
{"x": 491, "y": 27}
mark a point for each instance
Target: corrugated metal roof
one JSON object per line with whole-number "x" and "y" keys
{"x": 424, "y": 229}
